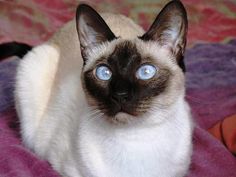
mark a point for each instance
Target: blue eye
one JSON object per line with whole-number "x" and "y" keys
{"x": 146, "y": 72}
{"x": 103, "y": 73}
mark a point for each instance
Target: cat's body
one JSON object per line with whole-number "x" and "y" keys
{"x": 60, "y": 124}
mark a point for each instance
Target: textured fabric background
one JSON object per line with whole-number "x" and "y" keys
{"x": 210, "y": 77}
{"x": 33, "y": 21}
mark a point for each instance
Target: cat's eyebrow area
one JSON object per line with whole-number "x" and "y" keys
{"x": 101, "y": 60}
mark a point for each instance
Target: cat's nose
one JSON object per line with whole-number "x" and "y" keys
{"x": 120, "y": 90}
{"x": 121, "y": 96}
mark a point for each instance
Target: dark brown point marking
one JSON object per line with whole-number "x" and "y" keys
{"x": 124, "y": 92}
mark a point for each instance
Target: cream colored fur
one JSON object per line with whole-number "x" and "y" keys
{"x": 58, "y": 124}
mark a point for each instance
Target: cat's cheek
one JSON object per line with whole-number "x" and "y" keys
{"x": 96, "y": 91}
{"x": 177, "y": 83}
{"x": 91, "y": 101}
{"x": 175, "y": 89}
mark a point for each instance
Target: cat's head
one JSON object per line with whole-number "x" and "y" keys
{"x": 132, "y": 78}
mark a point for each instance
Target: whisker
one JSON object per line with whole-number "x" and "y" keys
{"x": 94, "y": 114}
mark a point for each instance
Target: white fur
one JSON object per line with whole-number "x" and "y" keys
{"x": 34, "y": 84}
{"x": 59, "y": 125}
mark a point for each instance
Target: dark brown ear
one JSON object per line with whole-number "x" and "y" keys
{"x": 170, "y": 29}
{"x": 92, "y": 29}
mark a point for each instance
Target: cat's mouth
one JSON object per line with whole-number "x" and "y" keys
{"x": 123, "y": 109}
{"x": 122, "y": 114}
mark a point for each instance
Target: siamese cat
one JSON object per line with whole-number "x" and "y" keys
{"x": 103, "y": 98}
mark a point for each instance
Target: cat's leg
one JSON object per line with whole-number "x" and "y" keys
{"x": 34, "y": 81}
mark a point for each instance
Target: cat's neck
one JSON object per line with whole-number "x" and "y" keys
{"x": 144, "y": 145}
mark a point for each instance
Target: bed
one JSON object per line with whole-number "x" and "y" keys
{"x": 210, "y": 78}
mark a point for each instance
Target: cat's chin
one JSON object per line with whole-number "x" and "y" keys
{"x": 122, "y": 118}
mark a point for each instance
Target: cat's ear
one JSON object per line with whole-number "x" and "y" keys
{"x": 92, "y": 29}
{"x": 170, "y": 28}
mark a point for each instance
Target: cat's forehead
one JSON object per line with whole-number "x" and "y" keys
{"x": 125, "y": 53}
{"x": 124, "y": 58}
{"x": 129, "y": 53}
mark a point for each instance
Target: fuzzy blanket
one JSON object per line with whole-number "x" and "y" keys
{"x": 210, "y": 77}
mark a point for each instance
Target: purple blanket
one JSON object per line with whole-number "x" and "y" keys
{"x": 211, "y": 92}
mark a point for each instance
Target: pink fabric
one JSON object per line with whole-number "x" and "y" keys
{"x": 15, "y": 159}
{"x": 34, "y": 21}
{"x": 210, "y": 93}
{"x": 210, "y": 74}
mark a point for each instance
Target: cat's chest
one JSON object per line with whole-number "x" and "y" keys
{"x": 123, "y": 155}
